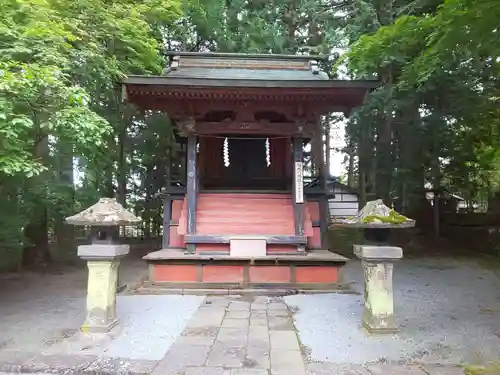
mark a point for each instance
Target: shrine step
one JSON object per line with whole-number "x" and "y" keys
{"x": 254, "y": 195}
{"x": 270, "y": 239}
{"x": 223, "y": 248}
{"x": 244, "y": 214}
{"x": 244, "y": 229}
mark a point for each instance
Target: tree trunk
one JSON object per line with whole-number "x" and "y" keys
{"x": 65, "y": 233}
{"x": 37, "y": 249}
{"x": 350, "y": 168}
{"x": 384, "y": 165}
{"x": 121, "y": 173}
{"x": 364, "y": 153}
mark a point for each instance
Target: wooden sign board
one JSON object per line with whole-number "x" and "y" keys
{"x": 299, "y": 182}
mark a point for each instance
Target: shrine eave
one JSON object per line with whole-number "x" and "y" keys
{"x": 152, "y": 81}
{"x": 149, "y": 91}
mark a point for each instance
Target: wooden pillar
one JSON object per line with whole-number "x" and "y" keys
{"x": 324, "y": 215}
{"x": 191, "y": 190}
{"x": 167, "y": 202}
{"x": 167, "y": 216}
{"x": 298, "y": 188}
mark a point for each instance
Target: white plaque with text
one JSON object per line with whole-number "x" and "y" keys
{"x": 299, "y": 182}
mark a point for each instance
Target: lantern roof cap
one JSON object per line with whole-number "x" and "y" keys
{"x": 106, "y": 212}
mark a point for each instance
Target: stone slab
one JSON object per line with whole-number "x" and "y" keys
{"x": 226, "y": 356}
{"x": 232, "y": 336}
{"x": 257, "y": 357}
{"x": 181, "y": 356}
{"x": 258, "y": 314}
{"x": 287, "y": 362}
{"x": 239, "y": 306}
{"x": 235, "y": 323}
{"x": 258, "y": 322}
{"x": 206, "y": 371}
{"x": 378, "y": 253}
{"x": 244, "y": 247}
{"x": 326, "y": 368}
{"x": 97, "y": 251}
{"x": 284, "y": 340}
{"x": 236, "y": 314}
{"x": 280, "y": 323}
{"x": 248, "y": 371}
{"x": 196, "y": 340}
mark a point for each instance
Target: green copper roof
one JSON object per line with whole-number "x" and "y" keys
{"x": 244, "y": 67}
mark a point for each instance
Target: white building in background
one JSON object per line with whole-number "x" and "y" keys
{"x": 345, "y": 203}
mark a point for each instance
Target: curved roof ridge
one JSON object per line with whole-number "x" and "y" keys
{"x": 233, "y": 55}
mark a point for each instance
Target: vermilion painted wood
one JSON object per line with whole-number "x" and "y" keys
{"x": 212, "y": 247}
{"x": 276, "y": 198}
{"x": 279, "y": 249}
{"x": 176, "y": 209}
{"x": 176, "y": 240}
{"x": 316, "y": 274}
{"x": 245, "y": 214}
{"x": 269, "y": 274}
{"x": 242, "y": 230}
{"x": 223, "y": 248}
{"x": 222, "y": 274}
{"x": 313, "y": 208}
{"x": 257, "y": 274}
{"x": 314, "y": 242}
{"x": 174, "y": 273}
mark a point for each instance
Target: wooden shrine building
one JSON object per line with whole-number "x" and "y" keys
{"x": 241, "y": 215}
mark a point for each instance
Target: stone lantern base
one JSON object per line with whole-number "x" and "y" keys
{"x": 103, "y": 262}
{"x": 378, "y": 264}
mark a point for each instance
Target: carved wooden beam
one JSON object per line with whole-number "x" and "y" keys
{"x": 264, "y": 128}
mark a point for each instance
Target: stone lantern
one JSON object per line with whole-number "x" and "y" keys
{"x": 103, "y": 258}
{"x": 378, "y": 258}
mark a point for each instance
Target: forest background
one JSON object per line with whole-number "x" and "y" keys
{"x": 66, "y": 138}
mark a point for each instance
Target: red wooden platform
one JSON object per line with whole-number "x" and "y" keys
{"x": 221, "y": 217}
{"x": 318, "y": 270}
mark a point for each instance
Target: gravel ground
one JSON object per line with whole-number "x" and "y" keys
{"x": 39, "y": 309}
{"x": 448, "y": 311}
{"x": 149, "y": 325}
{"x": 46, "y": 316}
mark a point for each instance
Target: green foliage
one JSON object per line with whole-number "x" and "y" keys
{"x": 61, "y": 63}
{"x": 439, "y": 73}
{"x": 37, "y": 101}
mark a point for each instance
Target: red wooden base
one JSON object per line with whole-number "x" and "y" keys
{"x": 321, "y": 271}
{"x": 215, "y": 276}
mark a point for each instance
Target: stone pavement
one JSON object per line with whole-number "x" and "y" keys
{"x": 256, "y": 336}
{"x": 227, "y": 335}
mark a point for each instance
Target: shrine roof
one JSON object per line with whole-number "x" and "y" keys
{"x": 197, "y": 75}
{"x": 232, "y": 69}
{"x": 244, "y": 66}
